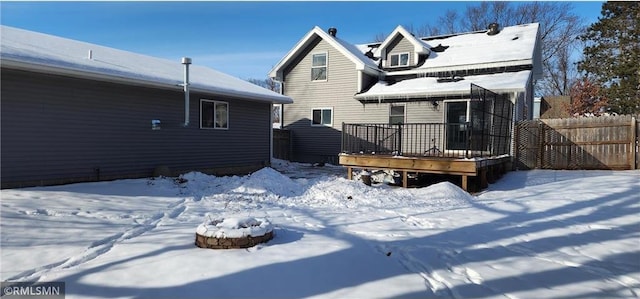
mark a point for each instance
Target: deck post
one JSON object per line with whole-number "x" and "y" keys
{"x": 483, "y": 178}
{"x": 405, "y": 184}
{"x": 349, "y": 173}
{"x": 465, "y": 183}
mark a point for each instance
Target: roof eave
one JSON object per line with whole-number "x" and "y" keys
{"x": 87, "y": 74}
{"x": 278, "y": 70}
{"x": 174, "y": 86}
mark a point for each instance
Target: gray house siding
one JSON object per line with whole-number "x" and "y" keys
{"x": 60, "y": 129}
{"x": 397, "y": 46}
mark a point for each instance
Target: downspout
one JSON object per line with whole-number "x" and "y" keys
{"x": 186, "y": 61}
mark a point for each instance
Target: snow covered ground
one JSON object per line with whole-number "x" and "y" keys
{"x": 533, "y": 234}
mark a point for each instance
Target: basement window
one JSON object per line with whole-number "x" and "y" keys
{"x": 214, "y": 115}
{"x": 401, "y": 59}
{"x": 322, "y": 117}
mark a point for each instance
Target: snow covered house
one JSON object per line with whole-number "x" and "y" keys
{"x": 449, "y": 96}
{"x": 73, "y": 111}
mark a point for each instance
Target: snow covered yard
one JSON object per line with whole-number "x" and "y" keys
{"x": 534, "y": 234}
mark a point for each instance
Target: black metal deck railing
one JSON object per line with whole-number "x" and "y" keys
{"x": 487, "y": 132}
{"x": 451, "y": 140}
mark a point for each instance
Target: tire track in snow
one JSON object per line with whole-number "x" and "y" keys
{"x": 100, "y": 247}
{"x": 434, "y": 282}
{"x": 438, "y": 271}
{"x": 628, "y": 282}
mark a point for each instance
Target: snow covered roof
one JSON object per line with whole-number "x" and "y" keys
{"x": 349, "y": 50}
{"x": 513, "y": 45}
{"x": 29, "y": 50}
{"x": 429, "y": 86}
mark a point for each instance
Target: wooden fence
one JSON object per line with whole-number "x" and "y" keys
{"x": 578, "y": 143}
{"x": 281, "y": 144}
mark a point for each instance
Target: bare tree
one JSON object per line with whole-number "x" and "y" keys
{"x": 559, "y": 28}
{"x": 478, "y": 17}
{"x": 420, "y": 31}
{"x": 267, "y": 83}
{"x": 450, "y": 22}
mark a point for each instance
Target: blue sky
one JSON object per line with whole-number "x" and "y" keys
{"x": 244, "y": 39}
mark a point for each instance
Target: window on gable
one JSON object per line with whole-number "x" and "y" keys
{"x": 396, "y": 114}
{"x": 322, "y": 117}
{"x": 214, "y": 114}
{"x": 401, "y": 59}
{"x": 319, "y": 67}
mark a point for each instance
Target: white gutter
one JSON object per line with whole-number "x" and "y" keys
{"x": 186, "y": 61}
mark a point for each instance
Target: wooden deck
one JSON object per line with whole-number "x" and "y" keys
{"x": 476, "y": 173}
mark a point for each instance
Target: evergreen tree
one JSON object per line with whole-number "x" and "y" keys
{"x": 612, "y": 55}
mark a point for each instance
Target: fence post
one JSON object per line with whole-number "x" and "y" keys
{"x": 468, "y": 131}
{"x": 375, "y": 140}
{"x": 399, "y": 139}
{"x": 541, "y": 144}
{"x": 342, "y": 146}
{"x": 633, "y": 155}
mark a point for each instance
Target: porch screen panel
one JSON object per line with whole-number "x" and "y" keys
{"x": 491, "y": 116}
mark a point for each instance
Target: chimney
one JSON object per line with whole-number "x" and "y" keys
{"x": 332, "y": 31}
{"x": 494, "y": 29}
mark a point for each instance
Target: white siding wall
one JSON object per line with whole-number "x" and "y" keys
{"x": 397, "y": 46}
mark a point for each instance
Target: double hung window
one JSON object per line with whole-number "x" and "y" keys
{"x": 319, "y": 67}
{"x": 396, "y": 114}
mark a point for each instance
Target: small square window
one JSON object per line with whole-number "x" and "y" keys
{"x": 214, "y": 114}
{"x": 322, "y": 117}
{"x": 401, "y": 59}
{"x": 319, "y": 67}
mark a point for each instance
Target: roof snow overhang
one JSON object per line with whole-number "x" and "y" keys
{"x": 37, "y": 52}
{"x": 150, "y": 82}
{"x": 429, "y": 87}
{"x": 362, "y": 62}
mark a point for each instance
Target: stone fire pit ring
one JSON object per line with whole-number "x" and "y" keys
{"x": 229, "y": 233}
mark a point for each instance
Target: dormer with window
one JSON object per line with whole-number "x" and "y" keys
{"x": 401, "y": 50}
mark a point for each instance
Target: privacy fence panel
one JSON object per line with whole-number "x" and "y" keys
{"x": 578, "y": 143}
{"x": 282, "y": 144}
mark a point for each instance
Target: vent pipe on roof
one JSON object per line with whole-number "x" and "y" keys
{"x": 494, "y": 29}
{"x": 186, "y": 61}
{"x": 333, "y": 31}
{"x": 90, "y": 55}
